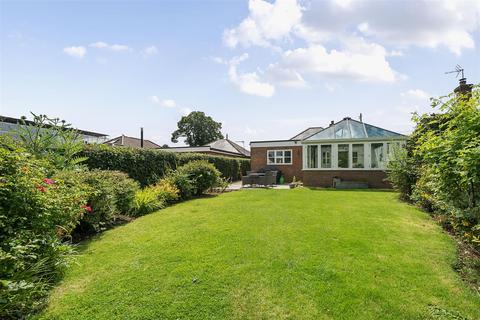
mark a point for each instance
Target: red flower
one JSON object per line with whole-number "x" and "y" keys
{"x": 48, "y": 181}
{"x": 39, "y": 187}
{"x": 87, "y": 208}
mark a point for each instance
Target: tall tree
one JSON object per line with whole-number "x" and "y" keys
{"x": 197, "y": 129}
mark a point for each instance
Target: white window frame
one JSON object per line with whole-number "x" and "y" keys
{"x": 283, "y": 157}
{"x": 367, "y": 160}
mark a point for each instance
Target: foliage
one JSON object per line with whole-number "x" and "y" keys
{"x": 155, "y": 197}
{"x": 147, "y": 166}
{"x": 35, "y": 213}
{"x": 181, "y": 181}
{"x": 401, "y": 171}
{"x": 249, "y": 254}
{"x": 202, "y": 174}
{"x": 197, "y": 129}
{"x": 440, "y": 171}
{"x": 53, "y": 139}
{"x": 109, "y": 193}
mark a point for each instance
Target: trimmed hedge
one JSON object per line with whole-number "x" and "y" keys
{"x": 147, "y": 166}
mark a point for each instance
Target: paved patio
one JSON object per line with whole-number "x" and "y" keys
{"x": 238, "y": 185}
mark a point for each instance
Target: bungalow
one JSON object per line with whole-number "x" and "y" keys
{"x": 348, "y": 150}
{"x": 220, "y": 147}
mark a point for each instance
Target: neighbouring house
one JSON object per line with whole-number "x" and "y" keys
{"x": 125, "y": 141}
{"x": 349, "y": 150}
{"x": 221, "y": 147}
{"x": 9, "y": 125}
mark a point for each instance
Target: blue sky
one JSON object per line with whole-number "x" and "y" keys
{"x": 265, "y": 69}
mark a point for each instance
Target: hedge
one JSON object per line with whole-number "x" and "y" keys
{"x": 147, "y": 166}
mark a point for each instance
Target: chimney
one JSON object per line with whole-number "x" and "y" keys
{"x": 332, "y": 123}
{"x": 360, "y": 118}
{"x": 141, "y": 137}
{"x": 464, "y": 88}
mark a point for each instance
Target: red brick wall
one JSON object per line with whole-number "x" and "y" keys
{"x": 321, "y": 178}
{"x": 258, "y": 160}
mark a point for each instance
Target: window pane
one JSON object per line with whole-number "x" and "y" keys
{"x": 287, "y": 160}
{"x": 312, "y": 157}
{"x": 287, "y": 153}
{"x": 271, "y": 157}
{"x": 279, "y": 153}
{"x": 343, "y": 155}
{"x": 326, "y": 156}
{"x": 358, "y": 156}
{"x": 377, "y": 155}
{"x": 279, "y": 160}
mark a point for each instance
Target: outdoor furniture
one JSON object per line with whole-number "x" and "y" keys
{"x": 267, "y": 178}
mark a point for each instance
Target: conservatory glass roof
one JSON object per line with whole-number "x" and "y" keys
{"x": 352, "y": 129}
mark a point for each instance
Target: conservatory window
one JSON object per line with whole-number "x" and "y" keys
{"x": 377, "y": 155}
{"x": 279, "y": 157}
{"x": 326, "y": 156}
{"x": 343, "y": 155}
{"x": 358, "y": 156}
{"x": 312, "y": 156}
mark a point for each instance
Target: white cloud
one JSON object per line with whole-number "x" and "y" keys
{"x": 416, "y": 94}
{"x": 76, "y": 52}
{"x": 111, "y": 47}
{"x": 400, "y": 23}
{"x": 266, "y": 22}
{"x": 364, "y": 62}
{"x": 149, "y": 51}
{"x": 285, "y": 77}
{"x": 167, "y": 103}
{"x": 249, "y": 83}
{"x": 170, "y": 104}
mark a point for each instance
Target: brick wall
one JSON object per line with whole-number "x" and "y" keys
{"x": 259, "y": 160}
{"x": 375, "y": 179}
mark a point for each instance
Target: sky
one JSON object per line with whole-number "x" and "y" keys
{"x": 264, "y": 69}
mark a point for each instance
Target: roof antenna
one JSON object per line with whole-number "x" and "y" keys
{"x": 458, "y": 70}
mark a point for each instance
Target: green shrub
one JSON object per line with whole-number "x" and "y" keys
{"x": 109, "y": 193}
{"x": 35, "y": 212}
{"x": 182, "y": 182}
{"x": 401, "y": 172}
{"x": 202, "y": 174}
{"x": 147, "y": 166}
{"x": 154, "y": 197}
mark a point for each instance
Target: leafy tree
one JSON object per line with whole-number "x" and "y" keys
{"x": 198, "y": 129}
{"x": 52, "y": 139}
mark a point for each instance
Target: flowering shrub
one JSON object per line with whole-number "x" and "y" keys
{"x": 36, "y": 211}
{"x": 109, "y": 193}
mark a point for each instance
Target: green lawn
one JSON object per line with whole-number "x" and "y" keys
{"x": 269, "y": 254}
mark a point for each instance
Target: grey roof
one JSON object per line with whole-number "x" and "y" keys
{"x": 32, "y": 123}
{"x": 228, "y": 146}
{"x": 124, "y": 141}
{"x": 307, "y": 133}
{"x": 352, "y": 129}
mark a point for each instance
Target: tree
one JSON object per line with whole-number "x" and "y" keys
{"x": 198, "y": 129}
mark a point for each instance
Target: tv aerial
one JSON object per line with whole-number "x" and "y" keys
{"x": 458, "y": 70}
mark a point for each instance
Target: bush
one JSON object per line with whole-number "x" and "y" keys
{"x": 109, "y": 193}
{"x": 147, "y": 166}
{"x": 401, "y": 172}
{"x": 35, "y": 212}
{"x": 202, "y": 174}
{"x": 154, "y": 197}
{"x": 182, "y": 182}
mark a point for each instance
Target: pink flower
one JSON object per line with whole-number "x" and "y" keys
{"x": 39, "y": 187}
{"x": 87, "y": 208}
{"x": 48, "y": 181}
